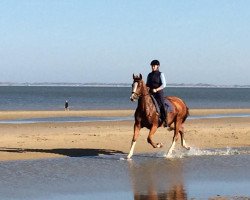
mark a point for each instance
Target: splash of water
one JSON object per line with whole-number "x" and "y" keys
{"x": 194, "y": 151}
{"x": 183, "y": 153}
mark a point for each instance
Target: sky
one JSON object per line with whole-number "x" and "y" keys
{"x": 106, "y": 41}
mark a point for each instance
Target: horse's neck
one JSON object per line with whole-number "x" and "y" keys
{"x": 145, "y": 102}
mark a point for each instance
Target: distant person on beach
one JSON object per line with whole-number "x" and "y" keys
{"x": 66, "y": 106}
{"x": 156, "y": 82}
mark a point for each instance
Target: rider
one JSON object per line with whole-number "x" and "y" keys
{"x": 156, "y": 82}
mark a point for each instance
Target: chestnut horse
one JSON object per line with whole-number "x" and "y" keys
{"x": 146, "y": 115}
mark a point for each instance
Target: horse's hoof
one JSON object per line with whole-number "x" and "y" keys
{"x": 128, "y": 158}
{"x": 159, "y": 145}
{"x": 188, "y": 148}
{"x": 168, "y": 155}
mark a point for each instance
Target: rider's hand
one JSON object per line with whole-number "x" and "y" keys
{"x": 154, "y": 90}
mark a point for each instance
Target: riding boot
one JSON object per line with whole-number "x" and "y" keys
{"x": 164, "y": 117}
{"x": 165, "y": 122}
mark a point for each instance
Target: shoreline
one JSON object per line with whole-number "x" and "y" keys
{"x": 75, "y": 139}
{"x": 17, "y": 114}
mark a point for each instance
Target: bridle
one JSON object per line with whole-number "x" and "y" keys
{"x": 134, "y": 94}
{"x": 135, "y": 84}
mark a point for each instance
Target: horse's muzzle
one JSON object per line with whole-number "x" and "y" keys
{"x": 133, "y": 97}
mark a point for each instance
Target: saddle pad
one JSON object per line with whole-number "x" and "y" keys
{"x": 168, "y": 105}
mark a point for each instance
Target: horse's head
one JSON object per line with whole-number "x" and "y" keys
{"x": 136, "y": 87}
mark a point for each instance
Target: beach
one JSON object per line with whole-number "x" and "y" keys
{"x": 61, "y": 159}
{"x": 25, "y": 141}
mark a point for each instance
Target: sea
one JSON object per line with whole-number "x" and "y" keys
{"x": 96, "y": 98}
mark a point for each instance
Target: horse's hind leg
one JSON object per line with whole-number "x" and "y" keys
{"x": 171, "y": 118}
{"x": 183, "y": 143}
{"x": 175, "y": 138}
{"x": 137, "y": 128}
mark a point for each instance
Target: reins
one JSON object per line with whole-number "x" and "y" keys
{"x": 140, "y": 95}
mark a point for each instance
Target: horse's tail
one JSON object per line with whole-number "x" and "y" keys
{"x": 186, "y": 115}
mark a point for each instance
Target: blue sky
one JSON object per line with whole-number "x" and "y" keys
{"x": 196, "y": 41}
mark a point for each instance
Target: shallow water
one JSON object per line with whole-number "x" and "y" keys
{"x": 198, "y": 174}
{"x": 96, "y": 119}
{"x": 64, "y": 119}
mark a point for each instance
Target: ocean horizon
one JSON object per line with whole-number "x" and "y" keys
{"x": 93, "y": 84}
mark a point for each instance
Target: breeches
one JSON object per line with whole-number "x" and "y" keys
{"x": 159, "y": 96}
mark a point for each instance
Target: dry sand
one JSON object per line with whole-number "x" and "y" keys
{"x": 50, "y": 140}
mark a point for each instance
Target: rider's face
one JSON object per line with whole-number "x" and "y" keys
{"x": 155, "y": 67}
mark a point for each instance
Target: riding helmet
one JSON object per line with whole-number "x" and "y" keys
{"x": 155, "y": 62}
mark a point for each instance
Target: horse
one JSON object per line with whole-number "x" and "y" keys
{"x": 146, "y": 115}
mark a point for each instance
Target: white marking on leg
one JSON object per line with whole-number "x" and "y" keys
{"x": 184, "y": 144}
{"x": 171, "y": 149}
{"x": 131, "y": 150}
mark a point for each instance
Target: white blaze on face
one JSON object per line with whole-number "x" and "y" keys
{"x": 134, "y": 88}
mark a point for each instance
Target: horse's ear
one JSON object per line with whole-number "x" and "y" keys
{"x": 133, "y": 76}
{"x": 140, "y": 76}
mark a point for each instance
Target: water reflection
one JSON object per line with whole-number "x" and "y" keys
{"x": 157, "y": 179}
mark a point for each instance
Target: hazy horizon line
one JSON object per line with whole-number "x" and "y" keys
{"x": 116, "y": 84}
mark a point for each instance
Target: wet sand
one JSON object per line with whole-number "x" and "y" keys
{"x": 77, "y": 139}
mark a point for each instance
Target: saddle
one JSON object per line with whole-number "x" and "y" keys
{"x": 167, "y": 105}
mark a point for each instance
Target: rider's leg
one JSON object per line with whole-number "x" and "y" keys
{"x": 163, "y": 109}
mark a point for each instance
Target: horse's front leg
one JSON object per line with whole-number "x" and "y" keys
{"x": 137, "y": 128}
{"x": 150, "y": 137}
